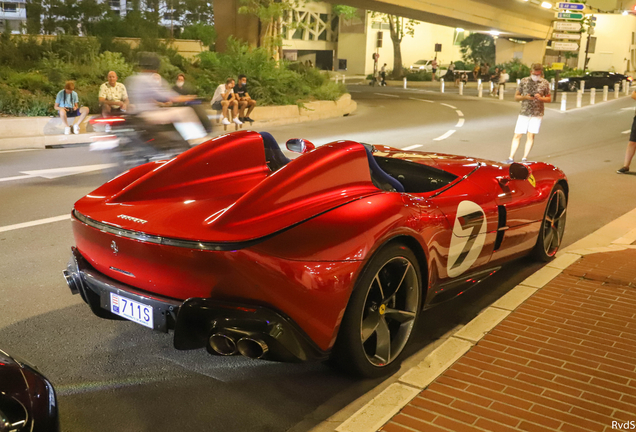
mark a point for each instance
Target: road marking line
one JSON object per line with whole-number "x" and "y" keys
{"x": 450, "y": 106}
{"x": 460, "y": 122}
{"x": 387, "y": 95}
{"x": 16, "y": 178}
{"x": 446, "y": 135}
{"x": 20, "y": 150}
{"x": 412, "y": 147}
{"x": 627, "y": 109}
{"x": 627, "y": 131}
{"x": 459, "y": 113}
{"x": 423, "y": 100}
{"x": 35, "y": 223}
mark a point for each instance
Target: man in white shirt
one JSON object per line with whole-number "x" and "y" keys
{"x": 113, "y": 96}
{"x": 224, "y": 98}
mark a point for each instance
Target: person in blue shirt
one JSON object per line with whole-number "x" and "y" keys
{"x": 67, "y": 103}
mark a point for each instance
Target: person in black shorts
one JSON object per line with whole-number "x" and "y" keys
{"x": 631, "y": 146}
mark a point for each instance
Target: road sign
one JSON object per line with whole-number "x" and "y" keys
{"x": 572, "y": 36}
{"x": 565, "y": 46}
{"x": 567, "y": 26}
{"x": 557, "y": 66}
{"x": 569, "y": 15}
{"x": 571, "y": 6}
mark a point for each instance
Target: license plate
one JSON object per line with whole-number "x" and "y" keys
{"x": 132, "y": 310}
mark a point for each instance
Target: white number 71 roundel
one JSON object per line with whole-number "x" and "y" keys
{"x": 468, "y": 238}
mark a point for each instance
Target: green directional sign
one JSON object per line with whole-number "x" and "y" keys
{"x": 570, "y": 16}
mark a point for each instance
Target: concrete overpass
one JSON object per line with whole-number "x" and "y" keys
{"x": 513, "y": 18}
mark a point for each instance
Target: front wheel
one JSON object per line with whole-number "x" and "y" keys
{"x": 572, "y": 86}
{"x": 552, "y": 226}
{"x": 381, "y": 314}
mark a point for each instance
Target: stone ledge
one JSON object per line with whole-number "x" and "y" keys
{"x": 40, "y": 132}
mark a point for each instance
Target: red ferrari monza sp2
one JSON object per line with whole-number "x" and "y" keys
{"x": 333, "y": 254}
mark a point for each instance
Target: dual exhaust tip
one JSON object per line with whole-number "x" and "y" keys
{"x": 224, "y": 344}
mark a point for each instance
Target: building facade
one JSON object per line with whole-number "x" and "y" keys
{"x": 12, "y": 15}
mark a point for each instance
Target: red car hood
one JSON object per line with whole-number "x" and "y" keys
{"x": 223, "y": 191}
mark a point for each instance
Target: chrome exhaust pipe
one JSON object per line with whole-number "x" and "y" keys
{"x": 71, "y": 282}
{"x": 222, "y": 344}
{"x": 252, "y": 348}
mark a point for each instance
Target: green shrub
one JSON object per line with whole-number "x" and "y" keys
{"x": 419, "y": 76}
{"x": 31, "y": 74}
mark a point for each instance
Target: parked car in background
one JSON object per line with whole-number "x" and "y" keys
{"x": 421, "y": 65}
{"x": 595, "y": 79}
{"x": 27, "y": 398}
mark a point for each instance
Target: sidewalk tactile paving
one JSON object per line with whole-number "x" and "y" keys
{"x": 564, "y": 360}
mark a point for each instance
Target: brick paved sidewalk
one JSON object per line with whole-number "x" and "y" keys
{"x": 562, "y": 361}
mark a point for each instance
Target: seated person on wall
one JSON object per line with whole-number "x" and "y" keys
{"x": 113, "y": 96}
{"x": 245, "y": 101}
{"x": 67, "y": 103}
{"x": 185, "y": 89}
{"x": 224, "y": 99}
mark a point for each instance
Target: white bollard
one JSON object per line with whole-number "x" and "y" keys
{"x": 592, "y": 96}
{"x": 404, "y": 82}
{"x": 582, "y": 86}
{"x": 518, "y": 81}
{"x": 502, "y": 90}
{"x": 579, "y": 98}
{"x": 337, "y": 77}
{"x": 461, "y": 88}
{"x": 480, "y": 90}
{"x": 441, "y": 85}
{"x": 552, "y": 84}
{"x": 343, "y": 78}
{"x": 479, "y": 83}
{"x": 492, "y": 87}
{"x": 605, "y": 93}
{"x": 626, "y": 87}
{"x": 616, "y": 90}
{"x": 564, "y": 101}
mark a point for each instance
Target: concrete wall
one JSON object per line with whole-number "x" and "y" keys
{"x": 615, "y": 49}
{"x": 528, "y": 53}
{"x": 186, "y": 47}
{"x": 419, "y": 47}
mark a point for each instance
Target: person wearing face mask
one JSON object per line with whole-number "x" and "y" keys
{"x": 185, "y": 89}
{"x": 533, "y": 92}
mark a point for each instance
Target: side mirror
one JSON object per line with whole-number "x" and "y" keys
{"x": 519, "y": 171}
{"x": 299, "y": 145}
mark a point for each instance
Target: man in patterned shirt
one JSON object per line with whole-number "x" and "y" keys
{"x": 533, "y": 92}
{"x": 113, "y": 96}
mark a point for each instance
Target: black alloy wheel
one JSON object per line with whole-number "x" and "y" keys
{"x": 552, "y": 226}
{"x": 573, "y": 86}
{"x": 381, "y": 314}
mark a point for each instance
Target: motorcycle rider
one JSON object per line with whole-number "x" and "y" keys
{"x": 147, "y": 91}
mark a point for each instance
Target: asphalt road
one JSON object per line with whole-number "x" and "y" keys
{"x": 119, "y": 376}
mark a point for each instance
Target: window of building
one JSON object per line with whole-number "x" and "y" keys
{"x": 9, "y": 7}
{"x": 377, "y": 25}
{"x": 114, "y": 4}
{"x": 459, "y": 37}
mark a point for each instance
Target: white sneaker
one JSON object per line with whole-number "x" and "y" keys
{"x": 226, "y": 121}
{"x": 237, "y": 121}
{"x": 67, "y": 130}
{"x": 76, "y": 129}
{"x": 524, "y": 160}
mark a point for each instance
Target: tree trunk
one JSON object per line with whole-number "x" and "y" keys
{"x": 396, "y": 38}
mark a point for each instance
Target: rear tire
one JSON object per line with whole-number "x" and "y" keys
{"x": 552, "y": 226}
{"x": 381, "y": 314}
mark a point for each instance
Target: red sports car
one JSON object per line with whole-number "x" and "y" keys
{"x": 332, "y": 254}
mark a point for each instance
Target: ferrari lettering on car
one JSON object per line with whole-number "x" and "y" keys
{"x": 331, "y": 255}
